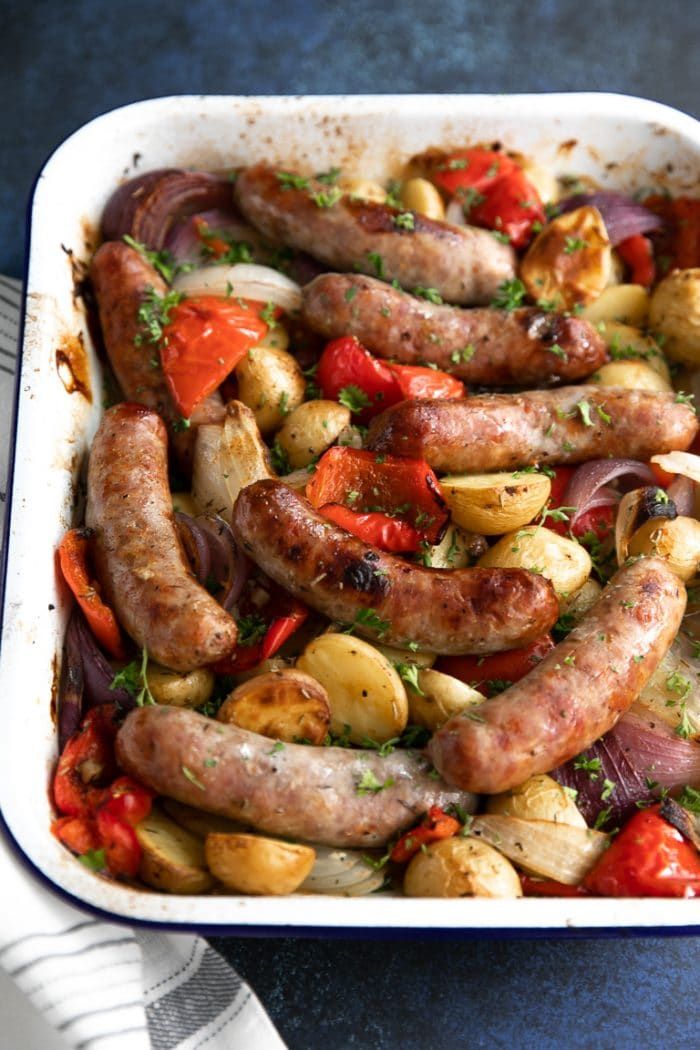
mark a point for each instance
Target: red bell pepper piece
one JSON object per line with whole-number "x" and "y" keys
{"x": 292, "y": 614}
{"x": 471, "y": 169}
{"x": 203, "y": 342}
{"x": 87, "y": 762}
{"x": 379, "y": 530}
{"x": 600, "y": 520}
{"x": 118, "y": 840}
{"x": 493, "y": 673}
{"x": 678, "y": 244}
{"x": 73, "y": 558}
{"x": 436, "y": 825}
{"x": 282, "y": 628}
{"x": 418, "y": 382}
{"x": 511, "y": 206}
{"x": 345, "y": 364}
{"x": 128, "y": 801}
{"x": 533, "y": 887}
{"x": 649, "y": 858}
{"x": 371, "y": 483}
{"x": 79, "y": 834}
{"x": 638, "y": 254}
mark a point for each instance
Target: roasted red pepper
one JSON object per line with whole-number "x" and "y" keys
{"x": 392, "y": 485}
{"x": 649, "y": 858}
{"x": 203, "y": 342}
{"x": 599, "y": 520}
{"x": 533, "y": 887}
{"x": 436, "y": 825}
{"x": 284, "y": 615}
{"x": 128, "y": 800}
{"x": 677, "y": 245}
{"x": 86, "y": 764}
{"x": 73, "y": 558}
{"x": 418, "y": 382}
{"x": 349, "y": 372}
{"x": 118, "y": 840}
{"x": 474, "y": 168}
{"x": 638, "y": 254}
{"x": 379, "y": 530}
{"x": 493, "y": 673}
{"x": 79, "y": 834}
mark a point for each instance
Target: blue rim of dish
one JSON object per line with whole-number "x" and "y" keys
{"x": 233, "y": 930}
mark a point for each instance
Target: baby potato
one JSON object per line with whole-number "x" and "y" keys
{"x": 461, "y": 867}
{"x": 421, "y": 196}
{"x": 576, "y": 605}
{"x": 364, "y": 689}
{"x": 440, "y": 697}
{"x": 563, "y": 561}
{"x": 276, "y": 338}
{"x": 677, "y": 541}
{"x": 632, "y": 375}
{"x": 172, "y": 859}
{"x": 539, "y": 798}
{"x": 626, "y": 343}
{"x": 191, "y": 689}
{"x": 627, "y": 304}
{"x": 363, "y": 189}
{"x": 570, "y": 261}
{"x": 405, "y": 656}
{"x": 675, "y": 314}
{"x": 456, "y": 549}
{"x": 310, "y": 429}
{"x": 492, "y": 504}
{"x": 271, "y": 384}
{"x": 284, "y": 705}
{"x": 257, "y": 865}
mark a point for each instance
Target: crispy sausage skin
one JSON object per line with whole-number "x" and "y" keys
{"x": 464, "y": 264}
{"x": 122, "y": 280}
{"x": 506, "y": 431}
{"x": 575, "y": 694}
{"x": 489, "y": 347}
{"x": 138, "y": 556}
{"x": 308, "y": 793}
{"x": 444, "y": 611}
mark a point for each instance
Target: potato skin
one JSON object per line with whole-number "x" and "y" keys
{"x": 461, "y": 867}
{"x": 310, "y": 429}
{"x": 675, "y": 313}
{"x": 441, "y": 697}
{"x": 172, "y": 859}
{"x": 491, "y": 504}
{"x": 570, "y": 261}
{"x": 539, "y": 798}
{"x": 563, "y": 561}
{"x": 256, "y": 865}
{"x": 285, "y": 705}
{"x": 271, "y": 384}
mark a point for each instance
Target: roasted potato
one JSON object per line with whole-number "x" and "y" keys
{"x": 563, "y": 561}
{"x": 197, "y": 821}
{"x": 364, "y": 689}
{"x": 632, "y": 375}
{"x": 363, "y": 189}
{"x": 492, "y": 504}
{"x": 675, "y": 314}
{"x": 406, "y": 656}
{"x": 437, "y": 698}
{"x": 677, "y": 541}
{"x": 570, "y": 261}
{"x": 456, "y": 549}
{"x": 576, "y": 605}
{"x": 310, "y": 429}
{"x": 257, "y": 865}
{"x": 461, "y": 867}
{"x": 626, "y": 304}
{"x": 191, "y": 689}
{"x": 271, "y": 384}
{"x": 539, "y": 798}
{"x": 626, "y": 343}
{"x": 285, "y": 705}
{"x": 421, "y": 196}
{"x": 172, "y": 858}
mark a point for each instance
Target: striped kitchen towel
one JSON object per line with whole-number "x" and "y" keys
{"x": 101, "y": 986}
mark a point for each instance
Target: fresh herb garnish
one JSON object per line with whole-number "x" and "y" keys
{"x": 405, "y": 220}
{"x": 154, "y": 314}
{"x": 289, "y": 181}
{"x": 431, "y": 294}
{"x": 251, "y": 629}
{"x": 509, "y": 295}
{"x": 163, "y": 262}
{"x": 189, "y": 775}
{"x": 134, "y": 679}
{"x": 353, "y": 397}
{"x": 369, "y": 785}
{"x": 409, "y": 673}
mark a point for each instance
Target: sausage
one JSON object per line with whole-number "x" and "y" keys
{"x": 485, "y": 346}
{"x": 444, "y": 611}
{"x": 464, "y": 264}
{"x": 138, "y": 556}
{"x": 575, "y": 694}
{"x": 300, "y": 792}
{"x": 505, "y": 431}
{"x": 122, "y": 280}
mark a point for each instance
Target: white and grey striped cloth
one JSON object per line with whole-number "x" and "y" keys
{"x": 88, "y": 984}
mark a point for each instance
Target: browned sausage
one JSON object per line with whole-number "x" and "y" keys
{"x": 138, "y": 555}
{"x": 489, "y": 347}
{"x": 575, "y": 694}
{"x": 123, "y": 280}
{"x": 464, "y": 264}
{"x": 311, "y": 793}
{"x": 444, "y": 611}
{"x": 506, "y": 431}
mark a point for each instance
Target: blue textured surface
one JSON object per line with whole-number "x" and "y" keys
{"x": 65, "y": 62}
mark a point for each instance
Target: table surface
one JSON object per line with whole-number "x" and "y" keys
{"x": 65, "y": 62}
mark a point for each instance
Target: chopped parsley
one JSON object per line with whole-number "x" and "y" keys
{"x": 94, "y": 859}
{"x": 251, "y": 629}
{"x": 267, "y": 314}
{"x": 277, "y": 746}
{"x": 431, "y": 294}
{"x": 327, "y": 198}
{"x": 405, "y": 220}
{"x": 350, "y": 294}
{"x": 592, "y": 766}
{"x": 409, "y": 674}
{"x": 353, "y": 397}
{"x": 134, "y": 679}
{"x": 608, "y": 788}
{"x": 328, "y": 178}
{"x": 289, "y": 181}
{"x": 163, "y": 262}
{"x": 690, "y": 799}
{"x": 685, "y": 399}
{"x": 558, "y": 351}
{"x": 605, "y": 416}
{"x": 279, "y": 459}
{"x": 584, "y": 409}
{"x": 154, "y": 314}
{"x": 500, "y": 236}
{"x": 371, "y": 619}
{"x": 189, "y": 775}
{"x": 574, "y": 244}
{"x": 463, "y": 355}
{"x": 369, "y": 785}
{"x": 509, "y": 295}
{"x": 377, "y": 262}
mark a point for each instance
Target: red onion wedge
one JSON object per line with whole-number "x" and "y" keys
{"x": 215, "y": 559}
{"x": 623, "y": 217}
{"x": 187, "y": 243}
{"x": 98, "y": 673}
{"x": 588, "y": 486}
{"x": 71, "y": 684}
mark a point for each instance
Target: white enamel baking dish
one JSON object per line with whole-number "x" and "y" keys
{"x": 622, "y": 142}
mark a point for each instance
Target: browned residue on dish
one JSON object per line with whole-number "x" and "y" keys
{"x": 567, "y": 146}
{"x": 72, "y": 366}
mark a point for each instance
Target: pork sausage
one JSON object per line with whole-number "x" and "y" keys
{"x": 123, "y": 280}
{"x": 505, "y": 431}
{"x": 464, "y": 264}
{"x": 575, "y": 694}
{"x": 300, "y": 792}
{"x": 444, "y": 611}
{"x": 138, "y": 556}
{"x": 484, "y": 346}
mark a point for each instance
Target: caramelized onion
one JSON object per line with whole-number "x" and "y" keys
{"x": 588, "y": 486}
{"x": 71, "y": 684}
{"x": 623, "y": 217}
{"x": 98, "y": 673}
{"x": 214, "y": 557}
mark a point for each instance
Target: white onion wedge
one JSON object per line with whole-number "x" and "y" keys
{"x": 554, "y": 850}
{"x": 245, "y": 281}
{"x": 341, "y": 872}
{"x": 685, "y": 463}
{"x": 208, "y": 484}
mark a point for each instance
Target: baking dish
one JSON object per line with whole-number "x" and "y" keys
{"x": 621, "y": 142}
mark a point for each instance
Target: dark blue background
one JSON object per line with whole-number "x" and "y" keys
{"x": 65, "y": 62}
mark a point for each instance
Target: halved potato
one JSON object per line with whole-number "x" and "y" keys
{"x": 364, "y": 689}
{"x": 677, "y": 541}
{"x": 405, "y": 656}
{"x": 271, "y": 384}
{"x": 626, "y": 304}
{"x": 285, "y": 705}
{"x": 197, "y": 821}
{"x": 539, "y": 798}
{"x": 631, "y": 375}
{"x": 441, "y": 696}
{"x": 461, "y": 867}
{"x": 675, "y": 314}
{"x": 421, "y": 196}
{"x": 576, "y": 605}
{"x": 172, "y": 859}
{"x": 191, "y": 689}
{"x": 310, "y": 429}
{"x": 363, "y": 189}
{"x": 492, "y": 504}
{"x": 257, "y": 865}
{"x": 627, "y": 343}
{"x": 563, "y": 561}
{"x": 456, "y": 549}
{"x": 570, "y": 261}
